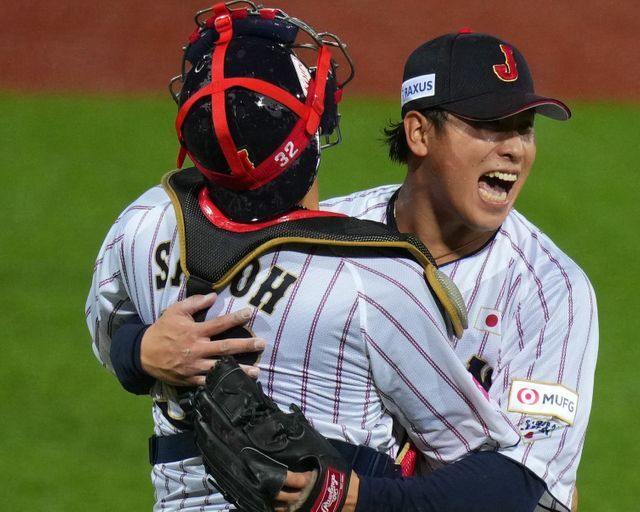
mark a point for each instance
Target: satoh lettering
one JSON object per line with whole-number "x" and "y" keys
{"x": 270, "y": 289}
{"x": 162, "y": 259}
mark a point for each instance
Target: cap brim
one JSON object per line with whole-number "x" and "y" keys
{"x": 490, "y": 107}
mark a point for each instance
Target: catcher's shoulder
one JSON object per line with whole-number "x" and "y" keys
{"x": 151, "y": 210}
{"x": 365, "y": 204}
{"x": 154, "y": 198}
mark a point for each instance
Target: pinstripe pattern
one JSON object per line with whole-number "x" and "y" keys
{"x": 422, "y": 399}
{"x": 150, "y": 261}
{"x": 432, "y": 315}
{"x": 422, "y": 350}
{"x": 531, "y": 272}
{"x": 495, "y": 305}
{"x": 548, "y": 330}
{"x": 130, "y": 263}
{"x": 570, "y": 313}
{"x": 355, "y": 341}
{"x": 339, "y": 367}
{"x": 278, "y": 338}
{"x": 307, "y": 363}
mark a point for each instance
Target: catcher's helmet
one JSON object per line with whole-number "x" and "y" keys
{"x": 251, "y": 112}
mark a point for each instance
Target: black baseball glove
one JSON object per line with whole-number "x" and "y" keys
{"x": 248, "y": 444}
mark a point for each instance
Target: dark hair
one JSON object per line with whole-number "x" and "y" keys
{"x": 395, "y": 138}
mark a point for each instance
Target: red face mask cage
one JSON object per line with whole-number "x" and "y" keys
{"x": 277, "y": 25}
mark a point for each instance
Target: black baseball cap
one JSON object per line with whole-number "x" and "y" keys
{"x": 476, "y": 76}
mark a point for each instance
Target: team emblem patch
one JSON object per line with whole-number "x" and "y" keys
{"x": 489, "y": 320}
{"x": 538, "y": 399}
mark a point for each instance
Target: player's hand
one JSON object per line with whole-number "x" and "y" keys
{"x": 178, "y": 350}
{"x": 296, "y": 484}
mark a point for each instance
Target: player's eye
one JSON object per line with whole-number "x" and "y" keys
{"x": 527, "y": 131}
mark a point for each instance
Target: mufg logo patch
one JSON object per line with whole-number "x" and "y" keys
{"x": 541, "y": 399}
{"x": 418, "y": 87}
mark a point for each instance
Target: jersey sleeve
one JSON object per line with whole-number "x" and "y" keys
{"x": 546, "y": 379}
{"x": 369, "y": 204}
{"x": 421, "y": 380}
{"x": 490, "y": 482}
{"x": 122, "y": 283}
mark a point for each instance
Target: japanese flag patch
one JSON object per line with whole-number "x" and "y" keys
{"x": 489, "y": 320}
{"x": 540, "y": 399}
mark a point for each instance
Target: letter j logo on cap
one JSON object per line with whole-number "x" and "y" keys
{"x": 507, "y": 72}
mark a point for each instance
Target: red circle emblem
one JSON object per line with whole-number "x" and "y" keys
{"x": 491, "y": 320}
{"x": 528, "y": 396}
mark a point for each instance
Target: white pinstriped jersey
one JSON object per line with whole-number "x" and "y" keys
{"x": 356, "y": 342}
{"x": 532, "y": 338}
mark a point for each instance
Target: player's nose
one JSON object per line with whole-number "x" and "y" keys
{"x": 512, "y": 145}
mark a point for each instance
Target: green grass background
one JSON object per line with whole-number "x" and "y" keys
{"x": 72, "y": 440}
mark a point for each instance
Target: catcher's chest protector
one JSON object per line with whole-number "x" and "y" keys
{"x": 211, "y": 255}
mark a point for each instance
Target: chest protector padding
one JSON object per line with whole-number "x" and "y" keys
{"x": 211, "y": 256}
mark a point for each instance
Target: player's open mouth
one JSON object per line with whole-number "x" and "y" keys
{"x": 495, "y": 186}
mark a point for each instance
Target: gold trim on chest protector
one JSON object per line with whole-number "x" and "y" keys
{"x": 445, "y": 290}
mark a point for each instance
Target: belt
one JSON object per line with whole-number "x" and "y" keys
{"x": 164, "y": 449}
{"x": 364, "y": 460}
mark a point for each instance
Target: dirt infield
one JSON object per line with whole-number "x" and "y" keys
{"x": 577, "y": 50}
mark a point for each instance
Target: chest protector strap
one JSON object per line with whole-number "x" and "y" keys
{"x": 211, "y": 256}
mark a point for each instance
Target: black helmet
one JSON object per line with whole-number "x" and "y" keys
{"x": 252, "y": 113}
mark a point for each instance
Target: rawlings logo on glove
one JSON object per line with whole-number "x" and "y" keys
{"x": 248, "y": 444}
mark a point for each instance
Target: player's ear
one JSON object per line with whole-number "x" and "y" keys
{"x": 416, "y": 131}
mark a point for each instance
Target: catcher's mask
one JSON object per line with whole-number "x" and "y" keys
{"x": 252, "y": 113}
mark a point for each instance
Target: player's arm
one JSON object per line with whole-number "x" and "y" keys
{"x": 128, "y": 257}
{"x": 488, "y": 478}
{"x": 445, "y": 412}
{"x": 546, "y": 381}
{"x": 176, "y": 349}
{"x": 481, "y": 482}
{"x": 108, "y": 302}
{"x": 423, "y": 383}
